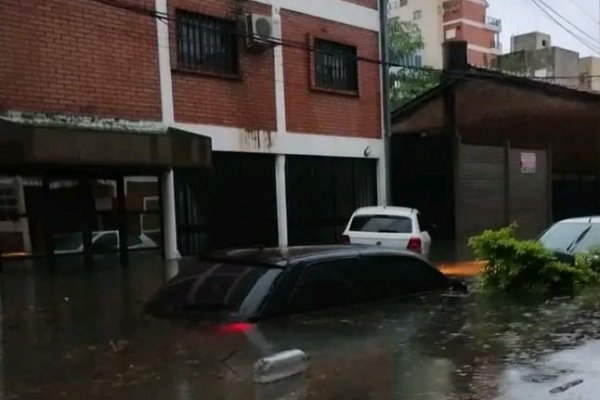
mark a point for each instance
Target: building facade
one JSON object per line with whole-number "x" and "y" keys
{"x": 532, "y": 55}
{"x": 589, "y": 73}
{"x": 443, "y": 20}
{"x": 276, "y": 87}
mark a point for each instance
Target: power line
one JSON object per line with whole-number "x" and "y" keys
{"x": 588, "y": 39}
{"x": 586, "y": 12}
{"x": 538, "y": 3}
{"x": 472, "y": 74}
{"x": 581, "y": 31}
{"x": 274, "y": 40}
{"x": 586, "y": 35}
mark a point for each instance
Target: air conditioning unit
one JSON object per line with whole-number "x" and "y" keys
{"x": 259, "y": 32}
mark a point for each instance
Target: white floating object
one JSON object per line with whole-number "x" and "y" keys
{"x": 280, "y": 366}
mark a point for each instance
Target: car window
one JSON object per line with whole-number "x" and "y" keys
{"x": 381, "y": 223}
{"x": 134, "y": 240}
{"x": 219, "y": 286}
{"x": 68, "y": 242}
{"x": 393, "y": 276}
{"x": 328, "y": 284}
{"x": 562, "y": 235}
{"x": 105, "y": 242}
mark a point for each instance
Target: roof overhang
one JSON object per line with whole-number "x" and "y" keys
{"x": 483, "y": 101}
{"x": 26, "y": 144}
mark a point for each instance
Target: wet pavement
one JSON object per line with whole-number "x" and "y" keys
{"x": 75, "y": 333}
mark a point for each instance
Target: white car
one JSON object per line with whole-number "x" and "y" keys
{"x": 396, "y": 227}
{"x": 102, "y": 241}
{"x": 572, "y": 236}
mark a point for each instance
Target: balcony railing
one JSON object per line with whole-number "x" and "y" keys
{"x": 493, "y": 23}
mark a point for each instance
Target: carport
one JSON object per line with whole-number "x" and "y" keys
{"x": 484, "y": 149}
{"x": 67, "y": 190}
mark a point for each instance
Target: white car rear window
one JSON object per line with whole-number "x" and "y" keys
{"x": 381, "y": 224}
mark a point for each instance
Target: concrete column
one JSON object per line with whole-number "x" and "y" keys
{"x": 22, "y": 209}
{"x": 382, "y": 180}
{"x": 169, "y": 221}
{"x": 278, "y": 73}
{"x": 164, "y": 64}
{"x": 280, "y": 189}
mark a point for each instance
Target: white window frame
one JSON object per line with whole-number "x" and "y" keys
{"x": 146, "y": 200}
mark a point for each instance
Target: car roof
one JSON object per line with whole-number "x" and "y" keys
{"x": 384, "y": 210}
{"x": 581, "y": 220}
{"x": 280, "y": 257}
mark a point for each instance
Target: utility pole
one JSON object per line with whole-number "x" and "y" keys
{"x": 385, "y": 93}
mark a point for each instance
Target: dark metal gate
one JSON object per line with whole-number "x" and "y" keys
{"x": 234, "y": 205}
{"x": 501, "y": 185}
{"x": 322, "y": 193}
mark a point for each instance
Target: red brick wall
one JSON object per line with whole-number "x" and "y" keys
{"x": 464, "y": 9}
{"x": 473, "y": 11}
{"x": 78, "y": 57}
{"x": 480, "y": 59}
{"x": 247, "y": 101}
{"x": 478, "y": 36}
{"x": 311, "y": 111}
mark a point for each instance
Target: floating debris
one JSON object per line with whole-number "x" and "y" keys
{"x": 566, "y": 386}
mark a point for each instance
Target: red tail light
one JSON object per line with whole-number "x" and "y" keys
{"x": 345, "y": 239}
{"x": 414, "y": 244}
{"x": 235, "y": 327}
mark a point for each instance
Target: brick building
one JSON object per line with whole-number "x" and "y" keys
{"x": 529, "y": 156}
{"x": 113, "y": 110}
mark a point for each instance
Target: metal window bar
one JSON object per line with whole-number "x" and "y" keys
{"x": 335, "y": 66}
{"x": 205, "y": 42}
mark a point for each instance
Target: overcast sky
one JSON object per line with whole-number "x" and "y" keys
{"x": 522, "y": 16}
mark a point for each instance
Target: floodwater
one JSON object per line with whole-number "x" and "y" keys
{"x": 80, "y": 334}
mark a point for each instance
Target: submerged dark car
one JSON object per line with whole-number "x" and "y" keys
{"x": 254, "y": 284}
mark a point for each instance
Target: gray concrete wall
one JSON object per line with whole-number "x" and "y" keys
{"x": 566, "y": 63}
{"x": 530, "y": 41}
{"x": 589, "y": 67}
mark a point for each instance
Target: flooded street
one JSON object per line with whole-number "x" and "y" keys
{"x": 74, "y": 334}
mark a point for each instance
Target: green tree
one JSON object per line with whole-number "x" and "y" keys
{"x": 405, "y": 39}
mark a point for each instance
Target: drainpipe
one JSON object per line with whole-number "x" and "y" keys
{"x": 386, "y": 108}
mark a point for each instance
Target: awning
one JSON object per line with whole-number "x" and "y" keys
{"x": 24, "y": 144}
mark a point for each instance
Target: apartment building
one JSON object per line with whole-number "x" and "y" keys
{"x": 589, "y": 73}
{"x": 186, "y": 125}
{"x": 443, "y": 20}
{"x": 533, "y": 55}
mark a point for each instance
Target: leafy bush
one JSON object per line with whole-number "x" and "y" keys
{"x": 590, "y": 259}
{"x": 522, "y": 265}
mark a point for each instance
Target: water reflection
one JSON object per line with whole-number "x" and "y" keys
{"x": 75, "y": 333}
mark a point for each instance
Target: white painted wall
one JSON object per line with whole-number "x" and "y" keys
{"x": 333, "y": 10}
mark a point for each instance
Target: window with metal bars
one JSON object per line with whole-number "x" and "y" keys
{"x": 206, "y": 43}
{"x": 336, "y": 66}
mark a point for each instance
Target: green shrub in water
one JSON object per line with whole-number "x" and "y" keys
{"x": 515, "y": 265}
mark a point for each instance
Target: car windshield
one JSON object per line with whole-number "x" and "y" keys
{"x": 590, "y": 241}
{"x": 571, "y": 236}
{"x": 68, "y": 242}
{"x": 236, "y": 288}
{"x": 381, "y": 223}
